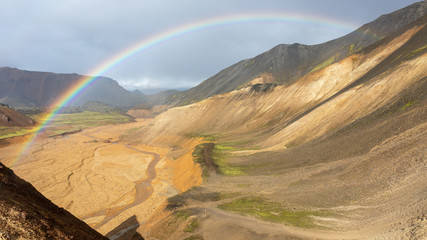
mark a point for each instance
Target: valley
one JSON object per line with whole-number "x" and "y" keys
{"x": 100, "y": 179}
{"x": 337, "y": 151}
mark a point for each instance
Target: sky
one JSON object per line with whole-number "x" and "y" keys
{"x": 79, "y": 36}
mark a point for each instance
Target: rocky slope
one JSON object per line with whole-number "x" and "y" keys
{"x": 284, "y": 64}
{"x": 40, "y": 89}
{"x": 26, "y": 214}
{"x": 338, "y": 154}
{"x": 391, "y": 62}
{"x": 12, "y": 118}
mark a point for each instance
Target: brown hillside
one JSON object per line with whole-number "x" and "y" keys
{"x": 315, "y": 104}
{"x": 12, "y": 118}
{"x": 339, "y": 154}
{"x": 26, "y": 214}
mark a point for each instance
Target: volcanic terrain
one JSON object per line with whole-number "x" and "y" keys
{"x": 337, "y": 151}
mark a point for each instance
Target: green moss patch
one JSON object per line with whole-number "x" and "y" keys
{"x": 88, "y": 119}
{"x": 192, "y": 226}
{"x": 198, "y": 194}
{"x": 69, "y": 123}
{"x": 410, "y": 103}
{"x": 194, "y": 237}
{"x": 323, "y": 64}
{"x": 272, "y": 211}
{"x": 7, "y": 132}
{"x": 417, "y": 51}
{"x": 212, "y": 157}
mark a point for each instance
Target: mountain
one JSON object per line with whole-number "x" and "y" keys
{"x": 12, "y": 118}
{"x": 91, "y": 106}
{"x": 285, "y": 63}
{"x": 156, "y": 103}
{"x": 27, "y": 214}
{"x": 338, "y": 153}
{"x": 40, "y": 89}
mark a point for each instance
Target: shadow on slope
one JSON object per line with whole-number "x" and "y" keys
{"x": 126, "y": 230}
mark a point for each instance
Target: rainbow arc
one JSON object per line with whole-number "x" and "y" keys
{"x": 168, "y": 35}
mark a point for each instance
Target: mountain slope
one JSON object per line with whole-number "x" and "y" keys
{"x": 12, "y": 118}
{"x": 27, "y": 214}
{"x": 337, "y": 154}
{"x": 276, "y": 108}
{"x": 284, "y": 64}
{"x": 40, "y": 89}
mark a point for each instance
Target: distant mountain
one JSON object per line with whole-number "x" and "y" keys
{"x": 285, "y": 63}
{"x": 12, "y": 118}
{"x": 40, "y": 89}
{"x": 27, "y": 214}
{"x": 161, "y": 97}
{"x": 156, "y": 103}
{"x": 92, "y": 106}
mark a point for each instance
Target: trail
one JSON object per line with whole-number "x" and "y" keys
{"x": 143, "y": 188}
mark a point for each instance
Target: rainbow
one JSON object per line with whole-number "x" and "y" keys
{"x": 164, "y": 36}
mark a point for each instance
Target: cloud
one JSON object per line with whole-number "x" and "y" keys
{"x": 77, "y": 36}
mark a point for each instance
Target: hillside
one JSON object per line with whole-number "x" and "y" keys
{"x": 337, "y": 154}
{"x": 26, "y": 214}
{"x": 285, "y": 63}
{"x": 12, "y": 118}
{"x": 40, "y": 89}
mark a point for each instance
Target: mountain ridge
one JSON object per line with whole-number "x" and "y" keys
{"x": 22, "y": 88}
{"x": 288, "y": 62}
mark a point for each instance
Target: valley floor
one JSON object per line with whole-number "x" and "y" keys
{"x": 121, "y": 190}
{"x": 99, "y": 178}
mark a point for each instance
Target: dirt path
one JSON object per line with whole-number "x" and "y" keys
{"x": 143, "y": 188}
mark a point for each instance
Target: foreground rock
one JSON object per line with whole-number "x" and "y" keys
{"x": 27, "y": 214}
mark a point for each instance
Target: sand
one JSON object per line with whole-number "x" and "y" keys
{"x": 101, "y": 179}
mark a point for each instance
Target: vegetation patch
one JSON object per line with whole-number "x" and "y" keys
{"x": 239, "y": 145}
{"x": 212, "y": 157}
{"x": 350, "y": 49}
{"x": 410, "y": 103}
{"x": 323, "y": 64}
{"x": 197, "y": 194}
{"x": 418, "y": 51}
{"x": 7, "y": 132}
{"x": 206, "y": 137}
{"x": 88, "y": 119}
{"x": 184, "y": 214}
{"x": 272, "y": 211}
{"x": 179, "y": 220}
{"x": 194, "y": 237}
{"x": 192, "y": 226}
{"x": 203, "y": 155}
{"x": 68, "y": 123}
{"x": 219, "y": 155}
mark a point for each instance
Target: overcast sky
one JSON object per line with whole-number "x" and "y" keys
{"x": 77, "y": 36}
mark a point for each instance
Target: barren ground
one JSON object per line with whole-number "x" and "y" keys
{"x": 99, "y": 178}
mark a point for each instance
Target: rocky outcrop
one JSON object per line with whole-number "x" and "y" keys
{"x": 12, "y": 118}
{"x": 27, "y": 214}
